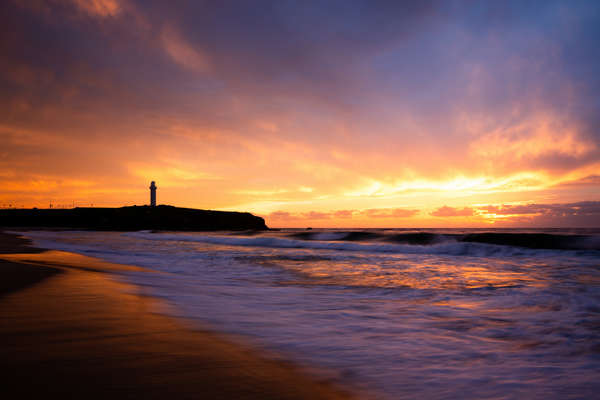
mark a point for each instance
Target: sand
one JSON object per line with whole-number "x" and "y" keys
{"x": 67, "y": 330}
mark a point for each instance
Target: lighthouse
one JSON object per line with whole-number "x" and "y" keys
{"x": 153, "y": 194}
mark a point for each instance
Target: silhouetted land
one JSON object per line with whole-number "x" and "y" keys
{"x": 133, "y": 218}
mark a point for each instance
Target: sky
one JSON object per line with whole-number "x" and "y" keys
{"x": 324, "y": 113}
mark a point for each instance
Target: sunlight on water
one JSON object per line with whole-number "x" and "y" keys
{"x": 401, "y": 272}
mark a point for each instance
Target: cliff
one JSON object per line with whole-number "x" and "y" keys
{"x": 133, "y": 218}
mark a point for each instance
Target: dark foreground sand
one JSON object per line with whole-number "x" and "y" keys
{"x": 67, "y": 331}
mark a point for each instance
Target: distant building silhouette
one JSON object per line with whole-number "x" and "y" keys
{"x": 153, "y": 194}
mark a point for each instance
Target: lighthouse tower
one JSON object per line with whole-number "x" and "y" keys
{"x": 153, "y": 194}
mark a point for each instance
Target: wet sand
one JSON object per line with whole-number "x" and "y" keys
{"x": 69, "y": 331}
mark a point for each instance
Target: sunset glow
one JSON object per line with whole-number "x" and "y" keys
{"x": 321, "y": 114}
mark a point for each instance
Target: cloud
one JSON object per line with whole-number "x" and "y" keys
{"x": 358, "y": 100}
{"x": 317, "y": 215}
{"x": 584, "y": 214}
{"x": 282, "y": 216}
{"x": 446, "y": 211}
{"x": 389, "y": 213}
{"x": 587, "y": 181}
{"x": 286, "y": 216}
{"x": 181, "y": 51}
{"x": 370, "y": 213}
{"x": 515, "y": 210}
{"x": 344, "y": 214}
{"x": 581, "y": 208}
{"x": 563, "y": 215}
{"x": 103, "y": 8}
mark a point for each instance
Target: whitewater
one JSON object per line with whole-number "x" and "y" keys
{"x": 389, "y": 314}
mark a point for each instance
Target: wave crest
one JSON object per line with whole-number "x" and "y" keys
{"x": 335, "y": 243}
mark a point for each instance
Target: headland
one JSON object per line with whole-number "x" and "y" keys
{"x": 133, "y": 218}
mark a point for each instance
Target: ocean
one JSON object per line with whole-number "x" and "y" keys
{"x": 387, "y": 313}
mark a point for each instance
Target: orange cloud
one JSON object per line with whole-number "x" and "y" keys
{"x": 446, "y": 211}
{"x": 343, "y": 214}
{"x": 388, "y": 213}
{"x": 102, "y": 8}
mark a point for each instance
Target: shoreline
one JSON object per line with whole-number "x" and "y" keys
{"x": 70, "y": 331}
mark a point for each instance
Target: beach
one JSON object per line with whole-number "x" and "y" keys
{"x": 69, "y": 331}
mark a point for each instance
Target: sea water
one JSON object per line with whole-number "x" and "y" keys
{"x": 391, "y": 314}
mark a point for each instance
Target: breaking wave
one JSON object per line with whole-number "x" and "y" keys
{"x": 481, "y": 245}
{"x": 528, "y": 240}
